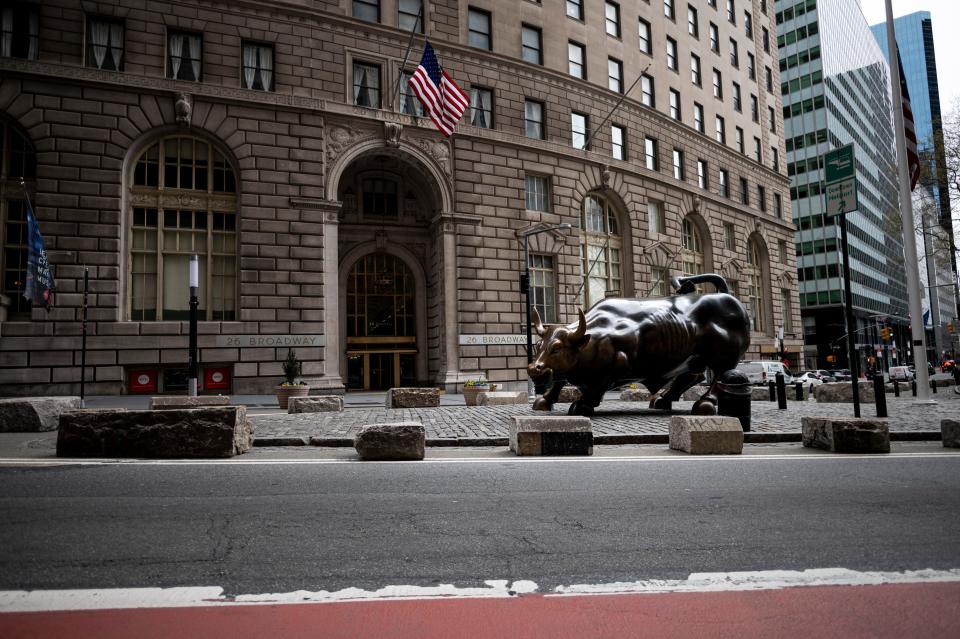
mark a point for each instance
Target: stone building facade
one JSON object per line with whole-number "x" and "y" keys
{"x": 271, "y": 140}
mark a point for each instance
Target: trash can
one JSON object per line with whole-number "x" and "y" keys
{"x": 733, "y": 397}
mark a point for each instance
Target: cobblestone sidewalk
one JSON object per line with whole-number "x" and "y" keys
{"x": 615, "y": 421}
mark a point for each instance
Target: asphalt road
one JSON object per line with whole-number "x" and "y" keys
{"x": 326, "y": 525}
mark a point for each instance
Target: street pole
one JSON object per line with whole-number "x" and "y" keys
{"x": 194, "y": 304}
{"x": 83, "y": 339}
{"x": 848, "y": 315}
{"x": 906, "y": 219}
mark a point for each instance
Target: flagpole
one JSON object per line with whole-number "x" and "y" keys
{"x": 906, "y": 219}
{"x": 616, "y": 106}
{"x": 83, "y": 342}
{"x": 406, "y": 54}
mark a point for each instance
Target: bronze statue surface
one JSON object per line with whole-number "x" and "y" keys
{"x": 666, "y": 344}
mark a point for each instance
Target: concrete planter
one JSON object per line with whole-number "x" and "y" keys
{"x": 284, "y": 393}
{"x": 470, "y": 393}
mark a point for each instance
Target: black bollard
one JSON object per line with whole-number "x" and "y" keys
{"x": 896, "y": 388}
{"x": 772, "y": 386}
{"x": 798, "y": 388}
{"x": 913, "y": 385}
{"x": 879, "y": 393}
{"x": 933, "y": 386}
{"x": 733, "y": 397}
{"x": 781, "y": 392}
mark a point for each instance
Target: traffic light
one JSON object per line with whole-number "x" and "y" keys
{"x": 885, "y": 333}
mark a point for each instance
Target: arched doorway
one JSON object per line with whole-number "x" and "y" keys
{"x": 381, "y": 323}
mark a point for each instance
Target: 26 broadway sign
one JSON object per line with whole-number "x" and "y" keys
{"x": 487, "y": 340}
{"x": 267, "y": 341}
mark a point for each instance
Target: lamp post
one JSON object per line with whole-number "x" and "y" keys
{"x": 194, "y": 303}
{"x": 525, "y": 289}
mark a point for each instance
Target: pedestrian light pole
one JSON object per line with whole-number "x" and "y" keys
{"x": 194, "y": 304}
{"x": 525, "y": 289}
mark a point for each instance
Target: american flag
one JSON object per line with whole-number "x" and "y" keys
{"x": 909, "y": 131}
{"x": 442, "y": 99}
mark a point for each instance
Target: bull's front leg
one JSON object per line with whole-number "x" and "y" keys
{"x": 546, "y": 401}
{"x": 590, "y": 398}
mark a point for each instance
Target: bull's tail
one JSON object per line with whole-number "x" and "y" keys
{"x": 684, "y": 285}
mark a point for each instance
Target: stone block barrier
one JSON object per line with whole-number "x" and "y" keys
{"x": 34, "y": 414}
{"x": 950, "y": 431}
{"x": 634, "y": 395}
{"x": 315, "y": 404}
{"x": 842, "y": 392}
{"x": 846, "y": 434}
{"x": 538, "y": 436}
{"x": 760, "y": 393}
{"x": 397, "y": 441}
{"x": 221, "y": 431}
{"x": 706, "y": 435}
{"x": 568, "y": 394}
{"x": 502, "y": 398}
{"x": 413, "y": 398}
{"x": 694, "y": 393}
{"x": 171, "y": 402}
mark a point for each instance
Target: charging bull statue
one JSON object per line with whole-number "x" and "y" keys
{"x": 666, "y": 344}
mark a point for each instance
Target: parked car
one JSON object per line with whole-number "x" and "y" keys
{"x": 764, "y": 371}
{"x": 825, "y": 376}
{"x": 901, "y": 374}
{"x": 841, "y": 374}
{"x": 809, "y": 378}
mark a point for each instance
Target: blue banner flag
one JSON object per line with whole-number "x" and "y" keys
{"x": 40, "y": 285}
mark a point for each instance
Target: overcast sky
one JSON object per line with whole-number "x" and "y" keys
{"x": 946, "y": 17}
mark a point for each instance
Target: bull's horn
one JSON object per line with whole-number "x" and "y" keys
{"x": 581, "y": 329}
{"x": 537, "y": 324}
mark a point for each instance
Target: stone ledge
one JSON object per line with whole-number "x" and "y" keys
{"x": 315, "y": 404}
{"x": 634, "y": 395}
{"x": 397, "y": 441}
{"x": 551, "y": 436}
{"x": 706, "y": 435}
{"x": 413, "y": 398}
{"x": 842, "y": 392}
{"x": 950, "y": 432}
{"x": 847, "y": 434}
{"x": 34, "y": 414}
{"x": 501, "y": 398}
{"x": 170, "y": 402}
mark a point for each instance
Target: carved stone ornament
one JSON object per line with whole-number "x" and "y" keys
{"x": 340, "y": 138}
{"x": 605, "y": 176}
{"x": 391, "y": 133}
{"x": 439, "y": 151}
{"x": 183, "y": 108}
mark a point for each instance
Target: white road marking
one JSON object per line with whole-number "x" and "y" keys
{"x": 131, "y": 598}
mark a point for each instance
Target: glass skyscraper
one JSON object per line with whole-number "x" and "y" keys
{"x": 836, "y": 90}
{"x": 914, "y": 34}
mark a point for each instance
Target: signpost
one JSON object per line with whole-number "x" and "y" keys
{"x": 841, "y": 187}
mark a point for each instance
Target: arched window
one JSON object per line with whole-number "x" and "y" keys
{"x": 17, "y": 161}
{"x": 754, "y": 277}
{"x": 692, "y": 255}
{"x": 600, "y": 250}
{"x": 183, "y": 202}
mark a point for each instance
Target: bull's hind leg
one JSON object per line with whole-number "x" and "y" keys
{"x": 665, "y": 398}
{"x": 589, "y": 400}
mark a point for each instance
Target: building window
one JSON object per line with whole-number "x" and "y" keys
{"x": 678, "y": 164}
{"x": 695, "y": 69}
{"x": 656, "y": 222}
{"x": 751, "y": 66}
{"x": 738, "y": 139}
{"x": 532, "y": 44}
{"x": 658, "y": 282}
{"x": 772, "y": 115}
{"x": 600, "y": 250}
{"x": 618, "y": 142}
{"x": 754, "y": 108}
{"x": 575, "y": 9}
{"x": 615, "y": 75}
{"x": 757, "y": 154}
{"x": 671, "y": 53}
{"x": 775, "y": 154}
{"x": 766, "y": 39}
{"x": 185, "y": 52}
{"x": 668, "y": 9}
{"x": 409, "y": 15}
{"x": 748, "y": 24}
{"x": 762, "y": 199}
{"x": 703, "y": 176}
{"x": 675, "y": 111}
{"x": 258, "y": 67}
{"x": 691, "y": 248}
{"x": 543, "y": 288}
{"x": 755, "y": 287}
{"x": 478, "y": 23}
{"x": 721, "y": 130}
{"x": 409, "y": 103}
{"x": 538, "y": 193}
{"x": 787, "y": 307}
{"x": 737, "y": 101}
{"x": 724, "y": 183}
{"x": 17, "y": 161}
{"x": 693, "y": 26}
{"x": 366, "y": 85}
{"x": 533, "y": 119}
{"x": 647, "y": 95}
{"x": 368, "y": 10}
{"x": 612, "y": 13}
{"x": 650, "y": 153}
{"x": 731, "y": 12}
{"x": 379, "y": 197}
{"x": 734, "y": 54}
{"x": 777, "y": 205}
{"x": 717, "y": 85}
{"x": 714, "y": 38}
{"x": 481, "y": 107}
{"x": 698, "y": 117}
{"x": 744, "y": 192}
{"x": 576, "y": 55}
{"x": 578, "y": 130}
{"x": 105, "y": 43}
{"x": 769, "y": 79}
{"x": 729, "y": 236}
{"x": 162, "y": 238}
{"x": 20, "y": 31}
{"x": 644, "y": 31}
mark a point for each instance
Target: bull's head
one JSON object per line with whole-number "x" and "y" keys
{"x": 559, "y": 348}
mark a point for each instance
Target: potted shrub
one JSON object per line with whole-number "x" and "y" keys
{"x": 292, "y": 385}
{"x": 472, "y": 388}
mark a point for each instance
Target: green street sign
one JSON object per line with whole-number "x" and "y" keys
{"x": 839, "y": 164}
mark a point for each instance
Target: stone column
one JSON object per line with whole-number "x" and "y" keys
{"x": 331, "y": 381}
{"x": 450, "y": 374}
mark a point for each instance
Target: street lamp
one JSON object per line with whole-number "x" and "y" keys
{"x": 525, "y": 289}
{"x": 194, "y": 303}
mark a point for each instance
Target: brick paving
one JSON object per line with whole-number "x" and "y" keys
{"x": 614, "y": 422}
